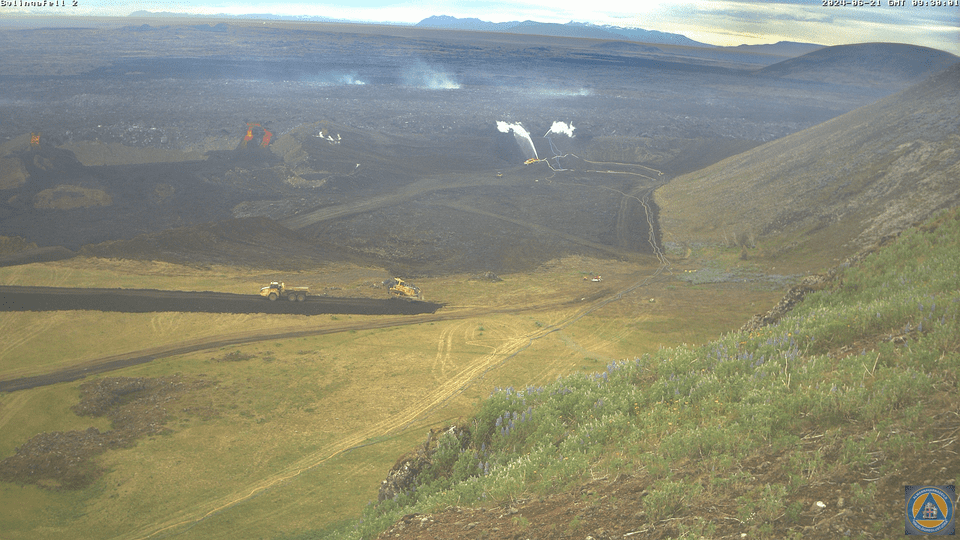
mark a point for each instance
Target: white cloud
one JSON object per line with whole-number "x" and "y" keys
{"x": 719, "y": 22}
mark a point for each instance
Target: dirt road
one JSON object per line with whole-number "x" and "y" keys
{"x": 110, "y": 363}
{"x": 406, "y": 313}
{"x": 11, "y": 300}
{"x": 149, "y": 300}
{"x": 510, "y": 347}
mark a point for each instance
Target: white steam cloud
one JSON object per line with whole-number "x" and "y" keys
{"x": 350, "y": 79}
{"x": 336, "y": 79}
{"x": 552, "y": 92}
{"x": 561, "y": 128}
{"x": 522, "y": 136}
{"x": 422, "y": 75}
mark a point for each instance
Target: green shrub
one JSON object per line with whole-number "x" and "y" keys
{"x": 667, "y": 497}
{"x": 866, "y": 350}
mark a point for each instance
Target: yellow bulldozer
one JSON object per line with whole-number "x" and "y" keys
{"x": 399, "y": 287}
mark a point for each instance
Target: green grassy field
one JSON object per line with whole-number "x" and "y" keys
{"x": 280, "y": 427}
{"x": 867, "y": 367}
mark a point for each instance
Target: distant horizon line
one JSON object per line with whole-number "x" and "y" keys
{"x": 147, "y": 14}
{"x": 322, "y": 19}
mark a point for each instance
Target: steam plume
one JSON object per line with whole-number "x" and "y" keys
{"x": 422, "y": 75}
{"x": 561, "y": 128}
{"x": 522, "y": 136}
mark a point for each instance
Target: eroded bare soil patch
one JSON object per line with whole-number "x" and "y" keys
{"x": 136, "y": 407}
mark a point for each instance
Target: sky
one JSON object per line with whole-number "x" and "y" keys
{"x": 717, "y": 22}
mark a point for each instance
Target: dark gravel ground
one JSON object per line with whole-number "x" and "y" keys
{"x": 428, "y": 105}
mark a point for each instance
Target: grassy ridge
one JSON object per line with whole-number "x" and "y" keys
{"x": 865, "y": 368}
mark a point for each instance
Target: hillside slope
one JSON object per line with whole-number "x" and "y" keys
{"x": 808, "y": 428}
{"x": 839, "y": 185}
{"x": 876, "y": 64}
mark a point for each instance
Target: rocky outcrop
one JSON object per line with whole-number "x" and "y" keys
{"x": 793, "y": 297}
{"x": 812, "y": 283}
{"x": 403, "y": 476}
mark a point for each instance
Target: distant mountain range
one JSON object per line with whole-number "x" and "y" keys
{"x": 570, "y": 29}
{"x": 780, "y": 48}
{"x": 607, "y": 32}
{"x": 143, "y": 14}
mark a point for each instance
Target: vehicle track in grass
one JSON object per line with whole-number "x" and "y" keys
{"x": 508, "y": 348}
{"x": 142, "y": 300}
{"x": 444, "y": 349}
{"x": 83, "y": 368}
{"x": 12, "y": 407}
{"x": 441, "y": 394}
{"x": 12, "y": 340}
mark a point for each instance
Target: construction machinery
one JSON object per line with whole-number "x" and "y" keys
{"x": 277, "y": 289}
{"x": 399, "y": 287}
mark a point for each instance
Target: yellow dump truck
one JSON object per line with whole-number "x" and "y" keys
{"x": 277, "y": 289}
